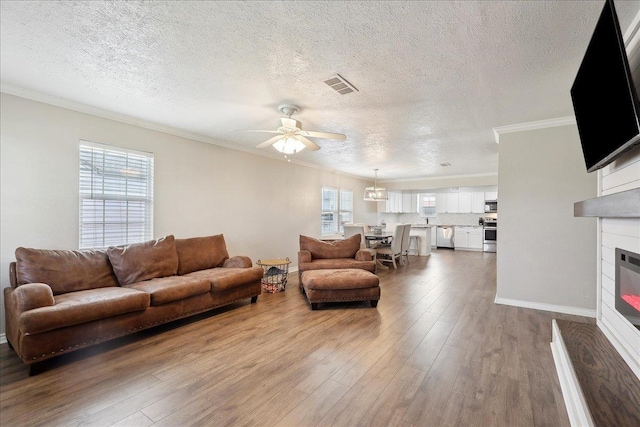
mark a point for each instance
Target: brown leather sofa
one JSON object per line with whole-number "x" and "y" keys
{"x": 63, "y": 300}
{"x": 316, "y": 254}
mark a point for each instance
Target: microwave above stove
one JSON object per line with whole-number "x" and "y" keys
{"x": 491, "y": 206}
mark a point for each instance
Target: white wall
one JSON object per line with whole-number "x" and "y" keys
{"x": 545, "y": 256}
{"x": 260, "y": 204}
{"x": 623, "y": 233}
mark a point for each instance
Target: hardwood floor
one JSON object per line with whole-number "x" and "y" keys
{"x": 436, "y": 351}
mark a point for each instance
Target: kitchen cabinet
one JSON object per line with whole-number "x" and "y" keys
{"x": 475, "y": 239}
{"x": 491, "y": 195}
{"x": 453, "y": 203}
{"x": 399, "y": 203}
{"x": 441, "y": 203}
{"x": 433, "y": 237}
{"x": 409, "y": 203}
{"x": 471, "y": 202}
{"x": 468, "y": 238}
{"x": 464, "y": 202}
{"x": 460, "y": 202}
{"x": 477, "y": 202}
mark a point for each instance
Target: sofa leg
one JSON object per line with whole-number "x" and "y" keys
{"x": 35, "y": 369}
{"x": 374, "y": 303}
{"x": 254, "y": 300}
{"x": 314, "y": 306}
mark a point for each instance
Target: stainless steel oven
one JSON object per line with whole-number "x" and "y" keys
{"x": 490, "y": 235}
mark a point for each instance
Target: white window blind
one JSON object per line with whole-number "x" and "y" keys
{"x": 116, "y": 196}
{"x": 427, "y": 204}
{"x": 346, "y": 208}
{"x": 329, "y": 210}
{"x": 337, "y": 209}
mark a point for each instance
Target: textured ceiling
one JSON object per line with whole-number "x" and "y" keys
{"x": 434, "y": 78}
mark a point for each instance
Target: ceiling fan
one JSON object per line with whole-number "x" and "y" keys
{"x": 291, "y": 138}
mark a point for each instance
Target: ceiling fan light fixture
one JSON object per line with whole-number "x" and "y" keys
{"x": 375, "y": 193}
{"x": 289, "y": 145}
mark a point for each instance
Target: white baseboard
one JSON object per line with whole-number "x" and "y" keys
{"x": 574, "y": 401}
{"x": 3, "y": 338}
{"x": 547, "y": 307}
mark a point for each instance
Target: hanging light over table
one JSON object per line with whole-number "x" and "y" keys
{"x": 375, "y": 193}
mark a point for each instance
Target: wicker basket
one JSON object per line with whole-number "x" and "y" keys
{"x": 276, "y": 272}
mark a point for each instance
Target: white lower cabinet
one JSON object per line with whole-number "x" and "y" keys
{"x": 468, "y": 238}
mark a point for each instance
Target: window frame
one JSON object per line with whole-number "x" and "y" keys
{"x": 336, "y": 211}
{"x": 431, "y": 207}
{"x": 126, "y": 195}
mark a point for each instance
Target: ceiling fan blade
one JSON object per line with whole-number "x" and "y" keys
{"x": 264, "y": 131}
{"x": 269, "y": 141}
{"x": 308, "y": 143}
{"x": 289, "y": 123}
{"x": 325, "y": 135}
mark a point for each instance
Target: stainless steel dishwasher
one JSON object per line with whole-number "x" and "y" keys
{"x": 445, "y": 236}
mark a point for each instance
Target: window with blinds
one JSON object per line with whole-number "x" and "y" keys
{"x": 337, "y": 209}
{"x": 427, "y": 205}
{"x": 116, "y": 196}
{"x": 346, "y": 208}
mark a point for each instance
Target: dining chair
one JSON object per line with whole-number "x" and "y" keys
{"x": 394, "y": 250}
{"x": 404, "y": 247}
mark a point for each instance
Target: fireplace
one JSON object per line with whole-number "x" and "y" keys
{"x": 628, "y": 285}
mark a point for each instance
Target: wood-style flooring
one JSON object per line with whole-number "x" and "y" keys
{"x": 437, "y": 351}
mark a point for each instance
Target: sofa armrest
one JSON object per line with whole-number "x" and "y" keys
{"x": 238, "y": 262}
{"x": 32, "y": 295}
{"x": 304, "y": 256}
{"x": 365, "y": 255}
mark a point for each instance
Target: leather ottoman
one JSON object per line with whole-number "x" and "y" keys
{"x": 337, "y": 285}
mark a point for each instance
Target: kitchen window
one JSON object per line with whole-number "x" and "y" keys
{"x": 427, "y": 205}
{"x": 116, "y": 196}
{"x": 337, "y": 209}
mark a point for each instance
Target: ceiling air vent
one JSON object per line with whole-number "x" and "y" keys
{"x": 341, "y": 85}
{"x": 444, "y": 165}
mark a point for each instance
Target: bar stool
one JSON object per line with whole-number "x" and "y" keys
{"x": 414, "y": 240}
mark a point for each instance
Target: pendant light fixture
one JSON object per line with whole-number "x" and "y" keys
{"x": 375, "y": 193}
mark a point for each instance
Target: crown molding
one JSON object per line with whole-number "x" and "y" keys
{"x": 431, "y": 178}
{"x": 122, "y": 118}
{"x": 540, "y": 124}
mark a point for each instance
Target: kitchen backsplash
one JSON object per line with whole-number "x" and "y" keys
{"x": 440, "y": 219}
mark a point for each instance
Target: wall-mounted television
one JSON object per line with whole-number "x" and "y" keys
{"x": 604, "y": 96}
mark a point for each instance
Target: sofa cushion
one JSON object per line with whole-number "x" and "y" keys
{"x": 339, "y": 279}
{"x": 201, "y": 253}
{"x": 337, "y": 263}
{"x": 143, "y": 261}
{"x": 346, "y": 248}
{"x": 223, "y": 279}
{"x": 63, "y": 270}
{"x": 172, "y": 288}
{"x": 74, "y": 308}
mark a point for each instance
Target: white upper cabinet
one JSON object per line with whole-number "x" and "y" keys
{"x": 441, "y": 203}
{"x": 477, "y": 202}
{"x": 464, "y": 202}
{"x": 409, "y": 203}
{"x": 453, "y": 201}
{"x": 491, "y": 195}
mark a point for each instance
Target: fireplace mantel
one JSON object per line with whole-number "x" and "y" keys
{"x": 625, "y": 204}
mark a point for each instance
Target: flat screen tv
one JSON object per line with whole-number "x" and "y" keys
{"x": 604, "y": 95}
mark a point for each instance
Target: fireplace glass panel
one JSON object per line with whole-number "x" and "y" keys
{"x": 628, "y": 285}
